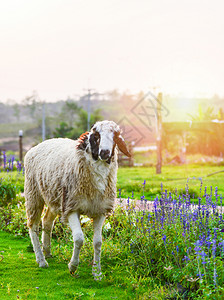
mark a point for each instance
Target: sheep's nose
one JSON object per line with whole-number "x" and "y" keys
{"x": 105, "y": 154}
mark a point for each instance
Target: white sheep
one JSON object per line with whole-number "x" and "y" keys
{"x": 72, "y": 178}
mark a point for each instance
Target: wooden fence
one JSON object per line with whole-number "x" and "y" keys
{"x": 123, "y": 160}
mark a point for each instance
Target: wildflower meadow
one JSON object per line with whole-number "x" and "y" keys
{"x": 170, "y": 246}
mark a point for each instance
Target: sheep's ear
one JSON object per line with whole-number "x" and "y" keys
{"x": 118, "y": 139}
{"x": 83, "y": 135}
{"x": 82, "y": 141}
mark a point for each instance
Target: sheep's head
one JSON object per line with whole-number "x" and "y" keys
{"x": 103, "y": 138}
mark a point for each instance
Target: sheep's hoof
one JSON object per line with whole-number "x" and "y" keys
{"x": 43, "y": 264}
{"x": 72, "y": 268}
{"x": 98, "y": 276}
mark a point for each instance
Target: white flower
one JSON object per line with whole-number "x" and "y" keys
{"x": 107, "y": 226}
{"x": 85, "y": 220}
{"x": 168, "y": 268}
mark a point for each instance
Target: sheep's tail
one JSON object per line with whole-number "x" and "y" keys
{"x": 34, "y": 204}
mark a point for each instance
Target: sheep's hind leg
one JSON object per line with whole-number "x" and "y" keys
{"x": 78, "y": 238}
{"x": 97, "y": 243}
{"x": 34, "y": 208}
{"x": 36, "y": 246}
{"x": 47, "y": 225}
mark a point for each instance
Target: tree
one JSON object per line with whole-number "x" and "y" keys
{"x": 63, "y": 130}
{"x": 207, "y": 140}
{"x": 220, "y": 114}
{"x": 16, "y": 109}
{"x": 81, "y": 124}
{"x": 70, "y": 110}
{"x": 201, "y": 115}
{"x": 33, "y": 104}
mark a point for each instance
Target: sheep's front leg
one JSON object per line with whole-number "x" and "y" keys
{"x": 97, "y": 242}
{"x": 78, "y": 238}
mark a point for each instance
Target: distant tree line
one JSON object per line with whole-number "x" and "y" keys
{"x": 204, "y": 134}
{"x": 77, "y": 120}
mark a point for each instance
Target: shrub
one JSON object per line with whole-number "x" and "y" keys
{"x": 178, "y": 243}
{"x": 13, "y": 217}
{"x": 7, "y": 193}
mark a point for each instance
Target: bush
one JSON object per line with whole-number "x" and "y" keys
{"x": 8, "y": 193}
{"x": 178, "y": 243}
{"x": 13, "y": 217}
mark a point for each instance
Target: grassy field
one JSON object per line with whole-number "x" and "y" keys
{"x": 172, "y": 177}
{"x": 127, "y": 248}
{"x": 20, "y": 277}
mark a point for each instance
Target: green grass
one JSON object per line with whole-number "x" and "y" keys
{"x": 21, "y": 278}
{"x": 124, "y": 270}
{"x": 14, "y": 178}
{"x": 173, "y": 178}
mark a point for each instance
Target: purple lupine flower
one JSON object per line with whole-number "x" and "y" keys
{"x": 205, "y": 192}
{"x": 161, "y": 185}
{"x": 13, "y": 158}
{"x": 143, "y": 187}
{"x": 4, "y": 160}
{"x": 211, "y": 191}
{"x": 155, "y": 207}
{"x": 221, "y": 203}
{"x": 221, "y": 245}
{"x": 164, "y": 239}
{"x": 213, "y": 247}
{"x": 186, "y": 258}
{"x": 197, "y": 248}
{"x": 19, "y": 166}
{"x": 203, "y": 255}
{"x": 216, "y": 195}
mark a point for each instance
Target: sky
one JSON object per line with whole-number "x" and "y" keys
{"x": 59, "y": 48}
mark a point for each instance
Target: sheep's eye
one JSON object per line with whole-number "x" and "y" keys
{"x": 97, "y": 136}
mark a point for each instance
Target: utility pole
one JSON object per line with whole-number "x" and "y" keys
{"x": 88, "y": 110}
{"x": 89, "y": 95}
{"x": 159, "y": 133}
{"x": 20, "y": 145}
{"x": 43, "y": 122}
